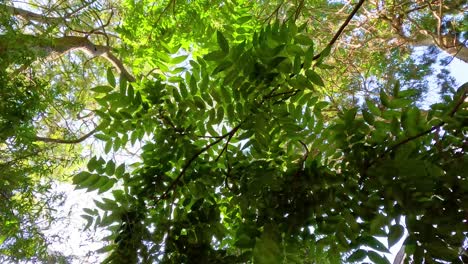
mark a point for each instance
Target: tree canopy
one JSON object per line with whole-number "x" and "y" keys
{"x": 261, "y": 131}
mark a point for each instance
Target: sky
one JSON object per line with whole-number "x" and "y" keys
{"x": 459, "y": 71}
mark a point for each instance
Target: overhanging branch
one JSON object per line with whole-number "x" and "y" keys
{"x": 341, "y": 29}
{"x": 65, "y": 141}
{"x": 460, "y": 101}
{"x": 187, "y": 165}
{"x": 31, "y": 16}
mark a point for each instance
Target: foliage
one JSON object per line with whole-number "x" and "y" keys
{"x": 25, "y": 169}
{"x": 28, "y": 168}
{"x": 241, "y": 163}
{"x": 266, "y": 134}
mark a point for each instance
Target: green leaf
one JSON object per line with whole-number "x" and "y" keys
{"x": 110, "y": 168}
{"x": 89, "y": 220}
{"x": 442, "y": 250}
{"x": 214, "y": 56}
{"x": 102, "y": 89}
{"x": 110, "y": 77}
{"x": 358, "y": 255}
{"x": 107, "y": 248}
{"x": 108, "y": 147}
{"x": 107, "y": 186}
{"x": 373, "y": 108}
{"x": 395, "y": 126}
{"x": 297, "y": 64}
{"x": 179, "y": 59}
{"x": 395, "y": 234}
{"x": 89, "y": 181}
{"x": 108, "y": 205}
{"x": 396, "y": 89}
{"x": 222, "y": 67}
{"x": 93, "y": 164}
{"x": 267, "y": 250}
{"x": 320, "y": 105}
{"x": 120, "y": 170}
{"x": 183, "y": 90}
{"x": 384, "y": 98}
{"x": 377, "y": 258}
{"x": 103, "y": 180}
{"x": 89, "y": 211}
{"x": 350, "y": 115}
{"x": 275, "y": 61}
{"x": 130, "y": 91}
{"x": 81, "y": 177}
{"x": 243, "y": 19}
{"x": 314, "y": 77}
{"x": 244, "y": 241}
{"x": 309, "y": 55}
{"x": 193, "y": 85}
{"x": 219, "y": 115}
{"x": 199, "y": 102}
{"x": 407, "y": 93}
{"x": 374, "y": 243}
{"x": 400, "y": 103}
{"x": 222, "y": 42}
{"x": 303, "y": 39}
{"x": 123, "y": 84}
{"x": 368, "y": 117}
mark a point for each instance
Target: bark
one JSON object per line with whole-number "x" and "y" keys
{"x": 31, "y": 16}
{"x": 56, "y": 47}
{"x": 448, "y": 43}
{"x": 400, "y": 257}
{"x": 69, "y": 43}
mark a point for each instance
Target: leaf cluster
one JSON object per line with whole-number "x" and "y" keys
{"x": 240, "y": 163}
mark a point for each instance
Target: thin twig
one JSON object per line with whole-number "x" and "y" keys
{"x": 191, "y": 160}
{"x": 306, "y": 154}
{"x": 340, "y": 30}
{"x": 65, "y": 141}
{"x": 460, "y": 101}
{"x": 160, "y": 16}
{"x": 225, "y": 146}
{"x": 274, "y": 12}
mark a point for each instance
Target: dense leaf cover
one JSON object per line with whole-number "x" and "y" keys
{"x": 242, "y": 162}
{"x": 270, "y": 132}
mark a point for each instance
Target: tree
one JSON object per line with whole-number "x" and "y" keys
{"x": 251, "y": 154}
{"x": 35, "y": 113}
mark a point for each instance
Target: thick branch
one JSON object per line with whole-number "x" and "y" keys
{"x": 400, "y": 257}
{"x": 31, "y": 16}
{"x": 449, "y": 43}
{"x": 56, "y": 47}
{"x": 69, "y": 43}
{"x": 65, "y": 141}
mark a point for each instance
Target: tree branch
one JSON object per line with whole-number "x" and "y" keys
{"x": 68, "y": 43}
{"x": 65, "y": 141}
{"x": 172, "y": 186}
{"x": 460, "y": 101}
{"x": 59, "y": 46}
{"x": 31, "y": 16}
{"x": 341, "y": 29}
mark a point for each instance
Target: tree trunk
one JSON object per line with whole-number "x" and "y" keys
{"x": 448, "y": 43}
